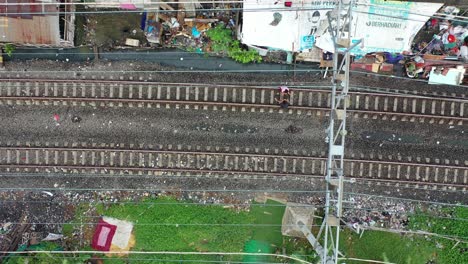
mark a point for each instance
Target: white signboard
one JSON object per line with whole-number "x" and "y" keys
{"x": 296, "y": 29}
{"x": 384, "y": 25}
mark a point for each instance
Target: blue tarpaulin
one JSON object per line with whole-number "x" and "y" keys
{"x": 143, "y": 21}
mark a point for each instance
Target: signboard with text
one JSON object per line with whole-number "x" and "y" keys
{"x": 384, "y": 25}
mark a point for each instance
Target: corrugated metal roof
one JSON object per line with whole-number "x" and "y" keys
{"x": 25, "y": 8}
{"x": 41, "y": 30}
{"x": 25, "y": 23}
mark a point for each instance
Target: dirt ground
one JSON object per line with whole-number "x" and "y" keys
{"x": 108, "y": 30}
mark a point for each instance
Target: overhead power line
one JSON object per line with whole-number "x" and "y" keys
{"x": 54, "y": 175}
{"x": 440, "y": 15}
{"x": 204, "y": 225}
{"x": 285, "y": 9}
{"x": 221, "y": 71}
{"x": 59, "y": 189}
{"x": 157, "y": 260}
{"x": 162, "y": 190}
{"x": 282, "y": 9}
{"x": 159, "y": 253}
{"x": 207, "y": 203}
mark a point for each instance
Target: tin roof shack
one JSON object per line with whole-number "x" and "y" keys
{"x": 37, "y": 23}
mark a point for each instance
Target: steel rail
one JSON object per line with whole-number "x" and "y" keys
{"x": 365, "y": 103}
{"x": 243, "y": 168}
{"x": 223, "y": 104}
{"x": 295, "y": 88}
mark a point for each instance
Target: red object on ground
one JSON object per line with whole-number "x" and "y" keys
{"x": 103, "y": 235}
{"x": 451, "y": 38}
{"x": 288, "y": 4}
{"x": 56, "y": 117}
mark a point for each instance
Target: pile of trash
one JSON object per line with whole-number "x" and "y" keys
{"x": 184, "y": 26}
{"x": 441, "y": 56}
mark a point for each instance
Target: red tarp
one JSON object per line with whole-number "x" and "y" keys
{"x": 103, "y": 235}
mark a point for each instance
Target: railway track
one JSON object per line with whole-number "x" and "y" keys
{"x": 378, "y": 105}
{"x": 215, "y": 162}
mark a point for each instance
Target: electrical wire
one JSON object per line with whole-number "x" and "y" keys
{"x": 284, "y": 9}
{"x": 409, "y": 199}
{"x": 204, "y": 225}
{"x": 247, "y": 85}
{"x": 158, "y": 10}
{"x": 185, "y": 204}
{"x": 224, "y": 191}
{"x": 402, "y": 78}
{"x": 278, "y": 191}
{"x": 154, "y": 190}
{"x": 158, "y": 260}
{"x": 440, "y": 15}
{"x": 220, "y": 72}
{"x": 367, "y": 260}
{"x": 58, "y": 175}
{"x": 174, "y": 71}
{"x": 160, "y": 253}
{"x": 209, "y": 203}
{"x": 280, "y": 9}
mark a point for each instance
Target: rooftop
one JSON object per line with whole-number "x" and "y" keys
{"x": 27, "y": 22}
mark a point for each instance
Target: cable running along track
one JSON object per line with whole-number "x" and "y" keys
{"x": 80, "y": 158}
{"x": 414, "y": 108}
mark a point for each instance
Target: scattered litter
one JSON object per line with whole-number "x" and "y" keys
{"x": 132, "y": 42}
{"x": 48, "y": 193}
{"x": 52, "y": 237}
{"x": 76, "y": 119}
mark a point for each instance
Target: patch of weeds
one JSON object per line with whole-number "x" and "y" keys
{"x": 46, "y": 257}
{"x": 9, "y": 48}
{"x": 222, "y": 42}
{"x": 386, "y": 246}
{"x": 165, "y": 224}
{"x": 454, "y": 223}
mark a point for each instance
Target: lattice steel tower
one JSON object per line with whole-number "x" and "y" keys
{"x": 340, "y": 23}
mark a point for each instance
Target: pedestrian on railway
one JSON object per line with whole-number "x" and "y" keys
{"x": 283, "y": 103}
{"x": 283, "y": 98}
{"x": 284, "y": 90}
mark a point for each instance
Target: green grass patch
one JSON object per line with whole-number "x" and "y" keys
{"x": 268, "y": 217}
{"x": 413, "y": 248}
{"x": 168, "y": 224}
{"x": 385, "y": 246}
{"x": 165, "y": 224}
{"x": 453, "y": 224}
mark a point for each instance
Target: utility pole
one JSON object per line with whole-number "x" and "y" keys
{"x": 340, "y": 22}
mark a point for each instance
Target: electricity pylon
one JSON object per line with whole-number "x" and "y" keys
{"x": 340, "y": 22}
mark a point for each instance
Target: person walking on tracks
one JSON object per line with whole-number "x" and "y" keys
{"x": 284, "y": 95}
